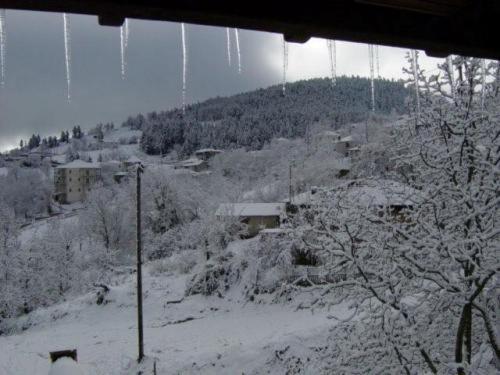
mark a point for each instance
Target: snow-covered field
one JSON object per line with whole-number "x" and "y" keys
{"x": 219, "y": 336}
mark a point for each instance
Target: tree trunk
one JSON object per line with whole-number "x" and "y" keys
{"x": 459, "y": 342}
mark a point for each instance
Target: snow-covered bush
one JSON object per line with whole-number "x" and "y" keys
{"x": 183, "y": 263}
{"x": 424, "y": 289}
{"x": 216, "y": 276}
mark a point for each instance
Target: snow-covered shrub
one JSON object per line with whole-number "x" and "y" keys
{"x": 273, "y": 261}
{"x": 216, "y": 276}
{"x": 183, "y": 263}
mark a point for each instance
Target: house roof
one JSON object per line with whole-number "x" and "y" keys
{"x": 364, "y": 192}
{"x": 75, "y": 164}
{"x": 250, "y": 209}
{"x": 381, "y": 193}
{"x": 203, "y": 150}
{"x": 190, "y": 162}
{"x": 134, "y": 160}
{"x": 346, "y": 139}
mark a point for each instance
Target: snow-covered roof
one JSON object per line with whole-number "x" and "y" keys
{"x": 250, "y": 209}
{"x": 273, "y": 231}
{"x": 190, "y": 162}
{"x": 134, "y": 160}
{"x": 382, "y": 193}
{"x": 79, "y": 164}
{"x": 346, "y": 139}
{"x": 204, "y": 150}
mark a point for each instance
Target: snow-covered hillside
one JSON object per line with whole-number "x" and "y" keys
{"x": 200, "y": 335}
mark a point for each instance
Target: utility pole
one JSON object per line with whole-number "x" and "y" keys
{"x": 290, "y": 183}
{"x": 139, "y": 266}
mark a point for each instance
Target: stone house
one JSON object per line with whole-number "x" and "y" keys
{"x": 73, "y": 180}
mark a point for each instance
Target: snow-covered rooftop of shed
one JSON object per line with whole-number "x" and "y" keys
{"x": 134, "y": 159}
{"x": 203, "y": 150}
{"x": 346, "y": 139}
{"x": 250, "y": 209}
{"x": 79, "y": 164}
{"x": 189, "y": 162}
{"x": 274, "y": 231}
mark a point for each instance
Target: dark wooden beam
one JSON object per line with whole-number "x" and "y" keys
{"x": 440, "y": 27}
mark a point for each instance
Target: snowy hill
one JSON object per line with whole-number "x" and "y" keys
{"x": 200, "y": 335}
{"x": 252, "y": 119}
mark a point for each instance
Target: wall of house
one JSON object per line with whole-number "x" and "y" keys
{"x": 73, "y": 184}
{"x": 256, "y": 223}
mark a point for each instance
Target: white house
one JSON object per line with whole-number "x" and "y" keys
{"x": 346, "y": 146}
{"x": 256, "y": 215}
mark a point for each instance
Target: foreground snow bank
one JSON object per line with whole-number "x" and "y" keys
{"x": 65, "y": 366}
{"x": 188, "y": 335}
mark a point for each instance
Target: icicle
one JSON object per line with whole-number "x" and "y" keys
{"x": 414, "y": 66}
{"x": 237, "y": 38}
{"x": 67, "y": 55}
{"x": 228, "y": 45}
{"x": 124, "y": 33}
{"x": 451, "y": 72}
{"x": 372, "y": 75}
{"x": 332, "y": 54}
{"x": 483, "y": 82}
{"x": 122, "y": 49}
{"x": 378, "y": 61}
{"x": 3, "y": 43}
{"x": 285, "y": 63}
{"x": 184, "y": 67}
{"x": 127, "y": 32}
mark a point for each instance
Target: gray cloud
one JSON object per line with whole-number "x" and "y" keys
{"x": 34, "y": 98}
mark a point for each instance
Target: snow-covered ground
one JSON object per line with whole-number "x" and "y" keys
{"x": 218, "y": 336}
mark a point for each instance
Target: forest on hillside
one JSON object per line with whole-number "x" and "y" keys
{"x": 252, "y": 119}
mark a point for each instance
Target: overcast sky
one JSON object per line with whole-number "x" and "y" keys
{"x": 33, "y": 98}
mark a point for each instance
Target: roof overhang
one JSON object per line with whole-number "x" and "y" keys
{"x": 440, "y": 27}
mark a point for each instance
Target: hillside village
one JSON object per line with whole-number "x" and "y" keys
{"x": 73, "y": 174}
{"x": 261, "y": 210}
{"x": 284, "y": 246}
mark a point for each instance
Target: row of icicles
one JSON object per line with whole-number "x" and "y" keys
{"x": 373, "y": 58}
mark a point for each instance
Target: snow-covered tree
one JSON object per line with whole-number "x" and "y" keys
{"x": 423, "y": 281}
{"x": 108, "y": 218}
